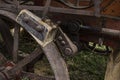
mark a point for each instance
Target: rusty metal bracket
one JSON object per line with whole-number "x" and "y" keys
{"x": 64, "y": 44}
{"x": 47, "y": 5}
{"x": 44, "y": 33}
{"x": 39, "y": 30}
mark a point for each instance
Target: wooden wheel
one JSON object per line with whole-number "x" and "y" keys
{"x": 53, "y": 55}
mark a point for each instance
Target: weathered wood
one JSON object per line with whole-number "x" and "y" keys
{"x": 16, "y": 43}
{"x": 25, "y": 61}
{"x": 2, "y": 60}
{"x": 33, "y": 76}
{"x": 56, "y": 61}
{"x": 7, "y": 37}
{"x": 113, "y": 66}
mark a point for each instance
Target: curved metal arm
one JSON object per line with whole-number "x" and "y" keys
{"x": 51, "y": 51}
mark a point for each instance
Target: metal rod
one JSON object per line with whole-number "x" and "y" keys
{"x": 59, "y": 10}
{"x": 46, "y": 8}
{"x": 104, "y": 31}
{"x": 16, "y": 43}
{"x": 97, "y": 7}
{"x": 111, "y": 32}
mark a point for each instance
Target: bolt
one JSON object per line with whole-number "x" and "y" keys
{"x": 26, "y": 18}
{"x": 53, "y": 25}
{"x": 48, "y": 21}
{"x": 60, "y": 38}
{"x": 63, "y": 43}
{"x": 58, "y": 22}
{"x": 68, "y": 51}
{"x": 40, "y": 28}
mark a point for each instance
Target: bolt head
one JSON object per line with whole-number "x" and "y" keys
{"x": 63, "y": 43}
{"x": 40, "y": 28}
{"x": 68, "y": 51}
{"x": 48, "y": 21}
{"x": 26, "y": 18}
{"x": 60, "y": 38}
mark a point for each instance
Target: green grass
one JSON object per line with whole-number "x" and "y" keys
{"x": 25, "y": 78}
{"x": 87, "y": 66}
{"x": 83, "y": 66}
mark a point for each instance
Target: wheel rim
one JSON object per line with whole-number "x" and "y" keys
{"x": 56, "y": 61}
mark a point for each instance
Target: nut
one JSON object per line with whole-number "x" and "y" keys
{"x": 40, "y": 28}
{"x": 68, "y": 51}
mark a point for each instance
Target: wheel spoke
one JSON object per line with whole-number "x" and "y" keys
{"x": 51, "y": 51}
{"x": 16, "y": 41}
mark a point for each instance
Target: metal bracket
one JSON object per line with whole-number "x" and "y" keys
{"x": 64, "y": 44}
{"x": 36, "y": 27}
{"x": 45, "y": 32}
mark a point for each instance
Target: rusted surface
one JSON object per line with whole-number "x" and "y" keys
{"x": 112, "y": 8}
{"x": 59, "y": 9}
{"x": 57, "y": 63}
{"x": 64, "y": 44}
{"x": 50, "y": 49}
